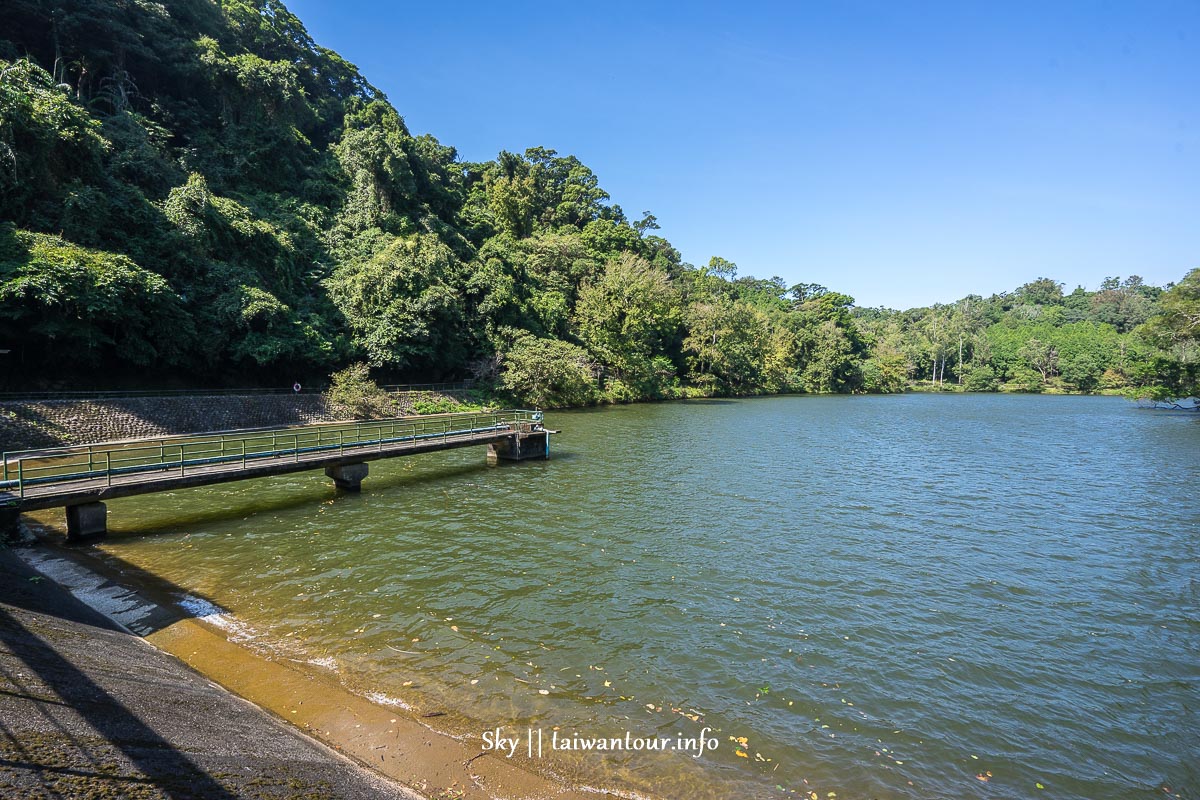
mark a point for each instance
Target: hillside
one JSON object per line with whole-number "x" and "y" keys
{"x": 197, "y": 192}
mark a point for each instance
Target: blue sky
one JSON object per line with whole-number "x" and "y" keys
{"x": 903, "y": 153}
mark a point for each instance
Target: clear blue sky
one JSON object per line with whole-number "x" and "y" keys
{"x": 903, "y": 153}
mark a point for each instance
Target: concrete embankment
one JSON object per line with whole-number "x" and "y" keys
{"x": 90, "y": 711}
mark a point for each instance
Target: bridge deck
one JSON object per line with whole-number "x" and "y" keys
{"x": 91, "y": 473}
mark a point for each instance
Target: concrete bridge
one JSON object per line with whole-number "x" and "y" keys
{"x": 82, "y": 477}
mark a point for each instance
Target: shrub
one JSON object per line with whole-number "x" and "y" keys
{"x": 353, "y": 391}
{"x": 443, "y": 405}
{"x": 981, "y": 379}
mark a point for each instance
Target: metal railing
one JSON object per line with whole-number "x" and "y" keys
{"x": 438, "y": 388}
{"x": 181, "y": 456}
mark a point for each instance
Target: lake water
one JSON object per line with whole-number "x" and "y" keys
{"x": 893, "y": 597}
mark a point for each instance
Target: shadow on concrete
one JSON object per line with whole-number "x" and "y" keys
{"x": 43, "y": 675}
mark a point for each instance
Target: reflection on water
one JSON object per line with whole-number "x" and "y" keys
{"x": 904, "y": 597}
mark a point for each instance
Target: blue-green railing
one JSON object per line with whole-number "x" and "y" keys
{"x": 32, "y": 468}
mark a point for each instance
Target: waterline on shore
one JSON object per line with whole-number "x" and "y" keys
{"x": 246, "y": 662}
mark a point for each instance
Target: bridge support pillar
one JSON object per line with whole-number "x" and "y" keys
{"x": 10, "y": 528}
{"x": 86, "y": 521}
{"x": 519, "y": 447}
{"x": 348, "y": 477}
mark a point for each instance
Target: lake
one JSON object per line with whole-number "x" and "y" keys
{"x": 904, "y": 596}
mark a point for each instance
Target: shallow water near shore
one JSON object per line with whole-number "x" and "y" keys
{"x": 898, "y": 597}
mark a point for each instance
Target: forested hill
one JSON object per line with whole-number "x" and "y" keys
{"x": 196, "y": 191}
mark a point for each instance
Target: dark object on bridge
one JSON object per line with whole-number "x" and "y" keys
{"x": 80, "y": 478}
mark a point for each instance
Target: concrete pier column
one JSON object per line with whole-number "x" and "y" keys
{"x": 348, "y": 477}
{"x": 86, "y": 521}
{"x": 10, "y": 517}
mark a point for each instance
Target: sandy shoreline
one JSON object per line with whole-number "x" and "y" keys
{"x": 394, "y": 742}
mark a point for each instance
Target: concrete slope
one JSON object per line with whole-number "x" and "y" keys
{"x": 90, "y": 711}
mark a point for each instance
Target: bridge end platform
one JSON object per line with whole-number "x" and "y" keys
{"x": 529, "y": 441}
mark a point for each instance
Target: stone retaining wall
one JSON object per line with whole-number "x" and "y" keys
{"x": 52, "y": 423}
{"x": 28, "y": 424}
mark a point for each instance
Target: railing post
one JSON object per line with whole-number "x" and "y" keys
{"x": 90, "y": 458}
{"x": 108, "y": 466}
{"x": 20, "y": 476}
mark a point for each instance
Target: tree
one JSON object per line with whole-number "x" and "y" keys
{"x": 1041, "y": 356}
{"x": 1083, "y": 370}
{"x": 625, "y": 317}
{"x": 548, "y": 373}
{"x": 401, "y": 304}
{"x": 1042, "y": 292}
{"x": 980, "y": 379}
{"x": 1176, "y": 332}
{"x": 726, "y": 342}
{"x": 69, "y": 305}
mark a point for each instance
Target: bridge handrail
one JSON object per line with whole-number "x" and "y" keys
{"x": 29, "y": 468}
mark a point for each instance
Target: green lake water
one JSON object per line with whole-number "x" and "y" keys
{"x": 890, "y": 597}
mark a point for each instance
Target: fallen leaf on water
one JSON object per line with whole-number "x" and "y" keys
{"x": 1038, "y": 785}
{"x": 543, "y": 691}
{"x": 740, "y": 754}
{"x": 982, "y": 777}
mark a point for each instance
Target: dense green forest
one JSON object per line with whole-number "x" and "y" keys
{"x": 197, "y": 192}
